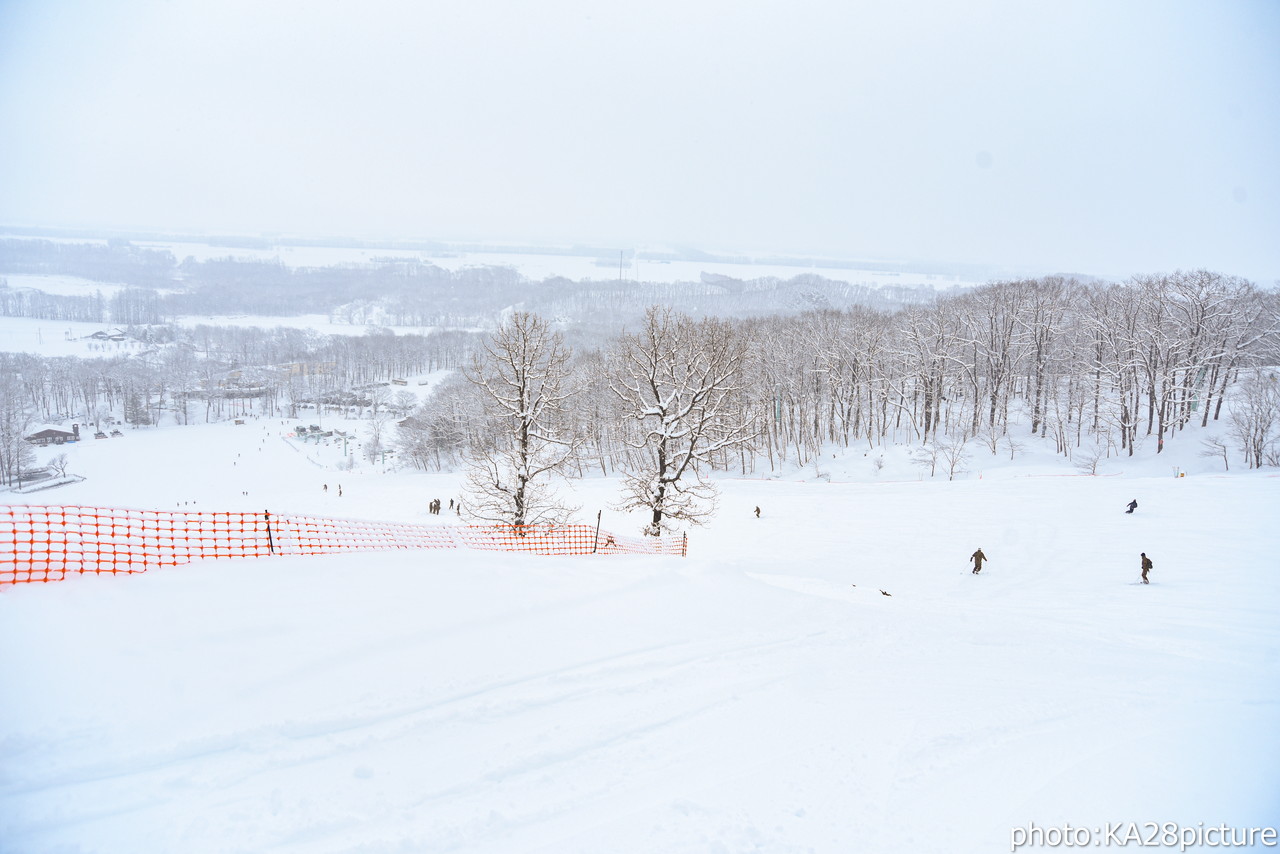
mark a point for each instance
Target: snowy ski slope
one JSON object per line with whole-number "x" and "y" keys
{"x": 760, "y": 695}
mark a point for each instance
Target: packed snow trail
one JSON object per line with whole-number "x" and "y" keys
{"x": 749, "y": 697}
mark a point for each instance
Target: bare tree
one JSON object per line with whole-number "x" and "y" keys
{"x": 680, "y": 384}
{"x": 1087, "y": 458}
{"x": 58, "y": 465}
{"x": 404, "y": 402}
{"x": 16, "y": 455}
{"x": 1254, "y": 417}
{"x": 954, "y": 457}
{"x": 1215, "y": 448}
{"x": 438, "y": 432}
{"x": 927, "y": 457}
{"x": 521, "y": 375}
{"x": 379, "y": 420}
{"x": 990, "y": 439}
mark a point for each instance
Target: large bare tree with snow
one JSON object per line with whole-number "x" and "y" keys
{"x": 521, "y": 374}
{"x": 680, "y": 384}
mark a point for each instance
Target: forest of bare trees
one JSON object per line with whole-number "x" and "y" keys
{"x": 1096, "y": 369}
{"x": 1099, "y": 370}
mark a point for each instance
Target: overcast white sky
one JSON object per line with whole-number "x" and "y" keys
{"x": 1099, "y": 137}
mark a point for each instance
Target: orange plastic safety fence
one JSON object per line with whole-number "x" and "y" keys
{"x": 46, "y": 543}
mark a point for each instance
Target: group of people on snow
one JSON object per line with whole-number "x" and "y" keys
{"x": 435, "y": 506}
{"x": 978, "y": 557}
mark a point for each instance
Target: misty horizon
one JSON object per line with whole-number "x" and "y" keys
{"x": 1098, "y": 140}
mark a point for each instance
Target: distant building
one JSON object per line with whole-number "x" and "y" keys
{"x": 52, "y": 436}
{"x": 308, "y": 369}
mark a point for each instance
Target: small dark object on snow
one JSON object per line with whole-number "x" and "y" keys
{"x": 757, "y": 512}
{"x": 977, "y": 558}
{"x": 1146, "y": 567}
{"x": 886, "y": 593}
{"x": 1133, "y": 505}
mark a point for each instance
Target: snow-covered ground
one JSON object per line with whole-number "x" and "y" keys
{"x": 760, "y": 695}
{"x": 317, "y": 322}
{"x": 72, "y": 338}
{"x": 59, "y": 338}
{"x": 541, "y": 265}
{"x": 535, "y": 265}
{"x": 63, "y": 285}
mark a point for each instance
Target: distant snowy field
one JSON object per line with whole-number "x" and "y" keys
{"x": 71, "y": 338}
{"x": 760, "y": 695}
{"x": 63, "y": 285}
{"x": 536, "y": 266}
{"x": 316, "y": 322}
{"x": 59, "y": 338}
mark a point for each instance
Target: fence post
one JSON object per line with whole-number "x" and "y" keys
{"x": 595, "y": 544}
{"x": 271, "y": 547}
{"x": 684, "y": 544}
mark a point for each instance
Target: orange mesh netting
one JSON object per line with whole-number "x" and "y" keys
{"x": 47, "y": 543}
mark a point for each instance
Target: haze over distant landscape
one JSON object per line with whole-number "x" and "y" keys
{"x": 1098, "y": 138}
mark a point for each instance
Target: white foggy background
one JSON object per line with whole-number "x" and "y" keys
{"x": 1097, "y": 137}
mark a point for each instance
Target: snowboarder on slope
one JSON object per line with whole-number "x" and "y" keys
{"x": 1133, "y": 505}
{"x": 977, "y": 557}
{"x": 1146, "y": 567}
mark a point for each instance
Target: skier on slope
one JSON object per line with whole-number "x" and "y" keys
{"x": 1133, "y": 505}
{"x": 1146, "y": 567}
{"x": 977, "y": 558}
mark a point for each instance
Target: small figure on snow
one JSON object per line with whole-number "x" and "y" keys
{"x": 1133, "y": 505}
{"x": 757, "y": 512}
{"x": 326, "y": 487}
{"x": 977, "y": 558}
{"x": 1146, "y": 567}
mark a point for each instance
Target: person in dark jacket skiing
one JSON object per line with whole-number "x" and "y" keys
{"x": 977, "y": 558}
{"x": 1146, "y": 567}
{"x": 1133, "y": 505}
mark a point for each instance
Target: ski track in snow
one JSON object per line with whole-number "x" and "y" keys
{"x": 747, "y": 698}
